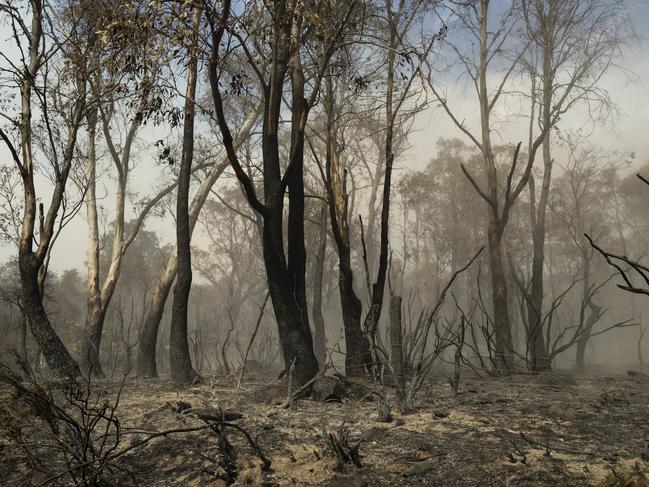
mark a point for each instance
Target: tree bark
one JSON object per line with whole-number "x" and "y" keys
{"x": 378, "y": 286}
{"x": 319, "y": 338}
{"x": 540, "y": 359}
{"x": 145, "y": 363}
{"x": 179, "y": 359}
{"x": 31, "y": 262}
{"x": 497, "y": 222}
{"x": 91, "y": 339}
{"x": 396, "y": 351}
{"x": 357, "y": 356}
{"x": 502, "y": 329}
{"x": 594, "y": 311}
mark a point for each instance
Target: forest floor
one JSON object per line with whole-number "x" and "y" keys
{"x": 550, "y": 429}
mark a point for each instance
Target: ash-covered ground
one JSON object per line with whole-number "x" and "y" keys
{"x": 551, "y": 429}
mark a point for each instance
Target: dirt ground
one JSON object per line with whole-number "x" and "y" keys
{"x": 552, "y": 429}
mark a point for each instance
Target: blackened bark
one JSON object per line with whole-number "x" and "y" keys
{"x": 319, "y": 338}
{"x": 145, "y": 362}
{"x": 294, "y": 332}
{"x": 50, "y": 345}
{"x": 286, "y": 280}
{"x": 396, "y": 350}
{"x": 296, "y": 248}
{"x": 179, "y": 359}
{"x": 540, "y": 359}
{"x": 357, "y": 356}
{"x": 504, "y": 356}
{"x": 32, "y": 263}
{"x": 378, "y": 287}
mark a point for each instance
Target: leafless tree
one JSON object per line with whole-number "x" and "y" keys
{"x": 571, "y": 46}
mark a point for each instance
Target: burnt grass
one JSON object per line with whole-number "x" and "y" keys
{"x": 550, "y": 429}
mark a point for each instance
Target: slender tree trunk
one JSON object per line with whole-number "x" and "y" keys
{"x": 32, "y": 262}
{"x": 378, "y": 287}
{"x": 503, "y": 333}
{"x": 357, "y": 356}
{"x": 540, "y": 359}
{"x": 145, "y": 363}
{"x": 497, "y": 222}
{"x": 396, "y": 350}
{"x": 594, "y": 312}
{"x": 296, "y": 248}
{"x": 179, "y": 358}
{"x": 91, "y": 338}
{"x": 319, "y": 338}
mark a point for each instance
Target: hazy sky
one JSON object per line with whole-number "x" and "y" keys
{"x": 629, "y": 134}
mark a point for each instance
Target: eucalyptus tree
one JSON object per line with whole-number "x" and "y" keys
{"x": 299, "y": 41}
{"x": 571, "y": 46}
{"x": 492, "y": 56}
{"x": 52, "y": 84}
{"x": 213, "y": 165}
{"x": 126, "y": 64}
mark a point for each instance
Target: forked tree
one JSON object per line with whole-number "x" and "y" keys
{"x": 52, "y": 84}
{"x": 291, "y": 31}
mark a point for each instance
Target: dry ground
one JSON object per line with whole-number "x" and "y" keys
{"x": 549, "y": 430}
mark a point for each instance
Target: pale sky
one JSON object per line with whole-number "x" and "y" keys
{"x": 629, "y": 134}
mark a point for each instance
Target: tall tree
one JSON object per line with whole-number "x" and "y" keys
{"x": 180, "y": 360}
{"x": 52, "y": 81}
{"x": 571, "y": 46}
{"x": 400, "y": 54}
{"x": 145, "y": 363}
{"x": 496, "y": 58}
{"x": 292, "y": 27}
{"x": 335, "y": 175}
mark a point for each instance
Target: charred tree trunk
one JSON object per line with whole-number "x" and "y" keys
{"x": 320, "y": 338}
{"x": 145, "y": 362}
{"x": 146, "y": 351}
{"x": 540, "y": 359}
{"x": 357, "y": 356}
{"x": 50, "y": 345}
{"x": 378, "y": 286}
{"x": 294, "y": 332}
{"x": 296, "y": 258}
{"x": 286, "y": 279}
{"x": 179, "y": 359}
{"x": 502, "y": 327}
{"x": 32, "y": 263}
{"x": 396, "y": 351}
